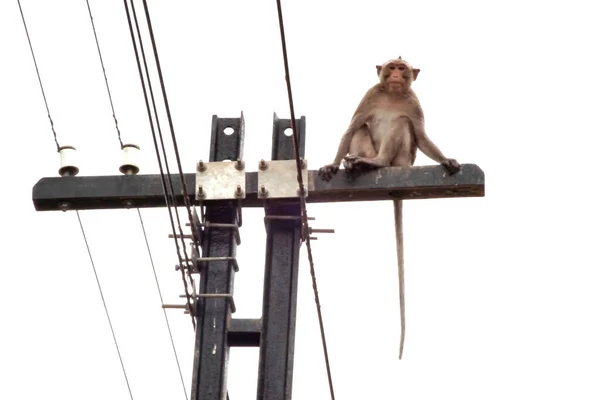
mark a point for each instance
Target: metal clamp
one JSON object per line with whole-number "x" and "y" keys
{"x": 236, "y": 231}
{"x": 220, "y": 180}
{"x": 186, "y": 309}
{"x": 279, "y": 179}
{"x": 228, "y": 296}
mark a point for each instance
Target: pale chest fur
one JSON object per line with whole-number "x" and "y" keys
{"x": 386, "y": 114}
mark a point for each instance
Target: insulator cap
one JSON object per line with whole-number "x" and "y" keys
{"x": 67, "y": 161}
{"x": 129, "y": 154}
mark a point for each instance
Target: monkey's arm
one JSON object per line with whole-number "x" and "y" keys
{"x": 359, "y": 119}
{"x": 430, "y": 149}
{"x": 425, "y": 144}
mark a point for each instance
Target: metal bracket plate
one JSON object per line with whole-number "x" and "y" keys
{"x": 220, "y": 180}
{"x": 279, "y": 179}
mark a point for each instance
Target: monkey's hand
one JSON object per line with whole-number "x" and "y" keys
{"x": 451, "y": 165}
{"x": 327, "y": 172}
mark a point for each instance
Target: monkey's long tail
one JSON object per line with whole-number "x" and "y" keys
{"x": 400, "y": 256}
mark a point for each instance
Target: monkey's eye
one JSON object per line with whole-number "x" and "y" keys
{"x": 392, "y": 67}
{"x": 401, "y": 67}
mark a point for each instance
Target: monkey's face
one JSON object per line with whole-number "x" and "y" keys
{"x": 397, "y": 74}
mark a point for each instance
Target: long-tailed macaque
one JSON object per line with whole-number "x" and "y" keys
{"x": 386, "y": 130}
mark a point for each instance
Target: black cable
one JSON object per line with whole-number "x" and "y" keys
{"x": 138, "y": 210}
{"x": 104, "y": 303}
{"x": 302, "y": 198}
{"x": 164, "y": 152}
{"x": 38, "y": 75}
{"x": 139, "y": 214}
{"x": 104, "y": 72}
{"x": 160, "y": 136}
{"x": 162, "y": 174}
{"x": 162, "y": 302}
{"x": 168, "y": 110}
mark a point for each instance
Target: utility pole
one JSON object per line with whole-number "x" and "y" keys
{"x": 226, "y": 188}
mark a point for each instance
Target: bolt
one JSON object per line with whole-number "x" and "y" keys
{"x": 239, "y": 193}
{"x": 263, "y": 191}
{"x": 299, "y": 191}
{"x": 201, "y": 167}
{"x": 128, "y": 203}
{"x": 64, "y": 206}
{"x": 201, "y": 193}
{"x": 262, "y": 165}
{"x": 303, "y": 163}
{"x": 239, "y": 165}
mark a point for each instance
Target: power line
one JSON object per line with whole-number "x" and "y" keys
{"x": 38, "y": 75}
{"x": 162, "y": 302}
{"x": 138, "y": 210}
{"x": 77, "y": 212}
{"x": 104, "y": 303}
{"x": 302, "y": 198}
{"x": 194, "y": 228}
{"x": 104, "y": 72}
{"x": 162, "y": 143}
{"x": 168, "y": 110}
{"x": 164, "y": 152}
{"x": 169, "y": 199}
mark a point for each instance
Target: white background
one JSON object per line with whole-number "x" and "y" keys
{"x": 502, "y": 291}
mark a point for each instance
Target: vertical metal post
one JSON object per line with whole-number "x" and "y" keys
{"x": 211, "y": 353}
{"x": 276, "y": 359}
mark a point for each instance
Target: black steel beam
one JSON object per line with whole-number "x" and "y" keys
{"x": 211, "y": 351}
{"x": 145, "y": 191}
{"x": 276, "y": 359}
{"x": 244, "y": 332}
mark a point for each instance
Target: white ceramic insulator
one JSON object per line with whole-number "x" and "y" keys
{"x": 68, "y": 157}
{"x": 130, "y": 154}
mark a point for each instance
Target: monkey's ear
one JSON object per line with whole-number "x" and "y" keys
{"x": 415, "y": 73}
{"x": 378, "y": 69}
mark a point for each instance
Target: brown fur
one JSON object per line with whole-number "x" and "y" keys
{"x": 389, "y": 114}
{"x": 386, "y": 129}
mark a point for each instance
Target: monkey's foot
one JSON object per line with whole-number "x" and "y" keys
{"x": 452, "y": 166}
{"x": 359, "y": 163}
{"x": 356, "y": 165}
{"x": 327, "y": 172}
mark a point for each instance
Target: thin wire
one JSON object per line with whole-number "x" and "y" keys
{"x": 162, "y": 143}
{"x": 104, "y": 303}
{"x": 104, "y": 72}
{"x": 139, "y": 213}
{"x": 162, "y": 301}
{"x": 172, "y": 194}
{"x": 162, "y": 174}
{"x": 38, "y": 75}
{"x": 302, "y": 198}
{"x": 168, "y": 110}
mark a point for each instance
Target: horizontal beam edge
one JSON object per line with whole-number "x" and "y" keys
{"x": 145, "y": 191}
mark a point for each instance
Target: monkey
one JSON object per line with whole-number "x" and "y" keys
{"x": 385, "y": 131}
